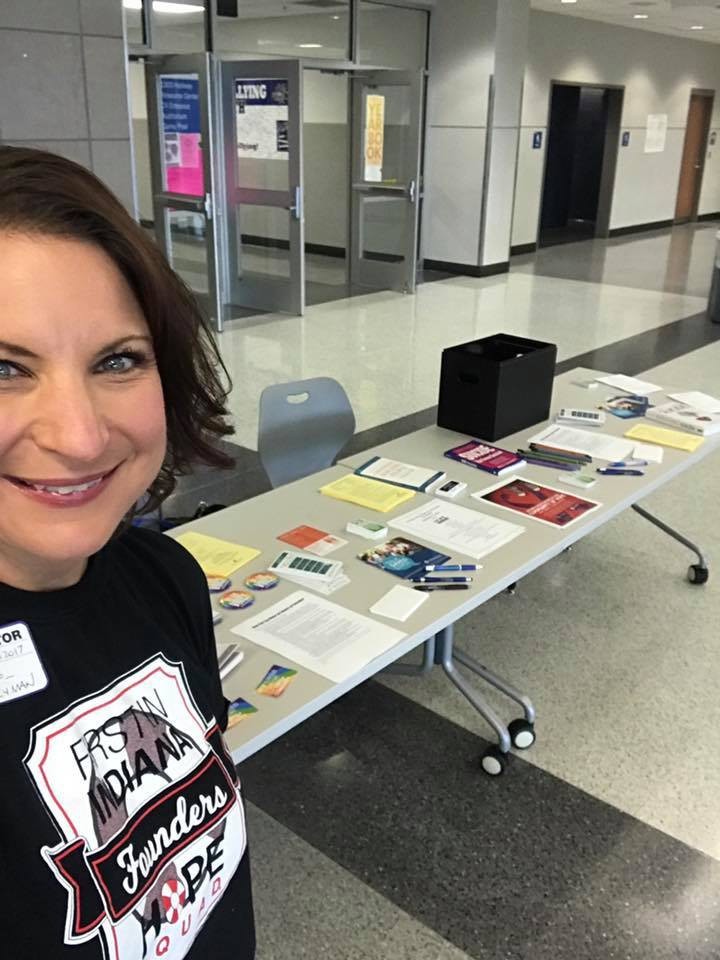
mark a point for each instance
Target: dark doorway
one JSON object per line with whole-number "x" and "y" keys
{"x": 583, "y": 133}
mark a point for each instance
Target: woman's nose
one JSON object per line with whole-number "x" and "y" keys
{"x": 73, "y": 425}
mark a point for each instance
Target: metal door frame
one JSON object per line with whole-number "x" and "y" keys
{"x": 271, "y": 294}
{"x": 376, "y": 274}
{"x": 201, "y": 65}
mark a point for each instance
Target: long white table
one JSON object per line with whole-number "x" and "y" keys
{"x": 259, "y": 521}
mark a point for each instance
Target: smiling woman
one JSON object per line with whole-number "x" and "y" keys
{"x": 110, "y": 698}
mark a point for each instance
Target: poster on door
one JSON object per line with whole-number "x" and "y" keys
{"x": 261, "y": 119}
{"x": 180, "y": 134}
{"x": 374, "y": 136}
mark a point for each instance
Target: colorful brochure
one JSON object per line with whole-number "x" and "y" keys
{"x": 627, "y": 406}
{"x": 484, "y": 456}
{"x": 312, "y": 540}
{"x": 546, "y": 504}
{"x": 403, "y": 558}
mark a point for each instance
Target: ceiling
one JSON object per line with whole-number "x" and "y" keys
{"x": 674, "y": 17}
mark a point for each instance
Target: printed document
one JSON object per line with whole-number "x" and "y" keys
{"x": 699, "y": 400}
{"x": 640, "y": 388}
{"x": 403, "y": 474}
{"x": 367, "y": 493}
{"x": 218, "y": 558}
{"x": 601, "y": 445}
{"x": 319, "y": 635}
{"x": 457, "y": 528}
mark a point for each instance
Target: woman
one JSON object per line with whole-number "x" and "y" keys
{"x": 122, "y": 832}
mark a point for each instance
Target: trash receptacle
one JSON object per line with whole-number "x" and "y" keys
{"x": 714, "y": 301}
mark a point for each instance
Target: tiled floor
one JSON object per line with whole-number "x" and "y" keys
{"x": 373, "y": 833}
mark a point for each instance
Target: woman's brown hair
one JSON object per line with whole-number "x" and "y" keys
{"x": 46, "y": 194}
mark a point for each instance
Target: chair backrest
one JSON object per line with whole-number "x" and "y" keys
{"x": 302, "y": 427}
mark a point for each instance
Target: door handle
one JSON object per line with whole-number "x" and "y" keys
{"x": 412, "y": 190}
{"x": 296, "y": 208}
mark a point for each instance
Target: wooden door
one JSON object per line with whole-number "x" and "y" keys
{"x": 693, "y": 159}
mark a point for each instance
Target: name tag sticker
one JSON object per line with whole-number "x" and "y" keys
{"x": 21, "y": 671}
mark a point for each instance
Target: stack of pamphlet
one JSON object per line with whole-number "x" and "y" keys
{"x": 325, "y": 576}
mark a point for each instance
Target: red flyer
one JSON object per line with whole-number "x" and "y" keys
{"x": 556, "y": 507}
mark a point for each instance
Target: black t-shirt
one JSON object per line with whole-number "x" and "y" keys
{"x": 122, "y": 829}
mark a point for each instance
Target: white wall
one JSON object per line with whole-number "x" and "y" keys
{"x": 462, "y": 36}
{"x": 658, "y": 73}
{"x": 63, "y": 84}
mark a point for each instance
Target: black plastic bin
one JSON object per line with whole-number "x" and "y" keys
{"x": 493, "y": 387}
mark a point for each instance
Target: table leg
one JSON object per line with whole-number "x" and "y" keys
{"x": 445, "y": 656}
{"x": 698, "y": 572}
{"x": 415, "y": 669}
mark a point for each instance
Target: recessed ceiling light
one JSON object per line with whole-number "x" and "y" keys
{"x": 640, "y": 16}
{"x": 310, "y": 46}
{"x": 568, "y": 1}
{"x": 697, "y": 26}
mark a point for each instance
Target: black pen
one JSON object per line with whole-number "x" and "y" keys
{"x": 428, "y": 587}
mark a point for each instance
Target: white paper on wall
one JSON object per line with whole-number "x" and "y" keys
{"x": 656, "y": 132}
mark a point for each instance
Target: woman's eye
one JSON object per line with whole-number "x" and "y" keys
{"x": 121, "y": 363}
{"x": 8, "y": 371}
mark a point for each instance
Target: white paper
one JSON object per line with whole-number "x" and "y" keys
{"x": 701, "y": 401}
{"x": 399, "y": 603}
{"x": 595, "y": 444}
{"x": 457, "y": 528}
{"x": 656, "y": 132}
{"x": 394, "y": 471}
{"x": 21, "y": 671}
{"x": 326, "y": 587}
{"x": 319, "y": 635}
{"x": 327, "y": 544}
{"x": 640, "y": 388}
{"x": 648, "y": 451}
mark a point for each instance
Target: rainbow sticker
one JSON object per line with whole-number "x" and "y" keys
{"x": 262, "y": 581}
{"x": 276, "y": 681}
{"x": 238, "y": 711}
{"x": 217, "y": 584}
{"x": 236, "y": 600}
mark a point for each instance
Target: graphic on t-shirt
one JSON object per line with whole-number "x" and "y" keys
{"x": 146, "y": 800}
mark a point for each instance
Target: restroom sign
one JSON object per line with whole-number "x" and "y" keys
{"x": 374, "y": 135}
{"x": 261, "y": 119}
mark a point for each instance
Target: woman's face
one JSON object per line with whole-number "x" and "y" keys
{"x": 82, "y": 420}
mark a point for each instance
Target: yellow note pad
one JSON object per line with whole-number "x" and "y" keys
{"x": 665, "y": 437}
{"x": 367, "y": 493}
{"x": 218, "y": 557}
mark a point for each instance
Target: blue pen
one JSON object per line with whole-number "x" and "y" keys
{"x": 442, "y": 579}
{"x": 619, "y": 472}
{"x": 632, "y": 462}
{"x": 447, "y": 567}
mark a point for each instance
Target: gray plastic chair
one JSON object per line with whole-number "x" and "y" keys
{"x": 302, "y": 427}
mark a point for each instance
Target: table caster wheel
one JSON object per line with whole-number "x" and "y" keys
{"x": 511, "y": 588}
{"x": 521, "y": 733}
{"x": 494, "y": 761}
{"x": 697, "y": 574}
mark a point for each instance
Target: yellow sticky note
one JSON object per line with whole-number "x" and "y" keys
{"x": 217, "y": 557}
{"x": 665, "y": 437}
{"x": 367, "y": 493}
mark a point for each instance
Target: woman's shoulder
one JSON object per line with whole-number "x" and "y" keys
{"x": 159, "y": 552}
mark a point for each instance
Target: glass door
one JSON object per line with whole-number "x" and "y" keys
{"x": 387, "y": 135}
{"x": 263, "y": 231}
{"x": 181, "y": 138}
